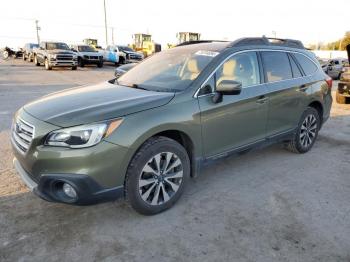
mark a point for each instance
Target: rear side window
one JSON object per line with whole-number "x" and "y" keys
{"x": 295, "y": 69}
{"x": 276, "y": 65}
{"x": 308, "y": 66}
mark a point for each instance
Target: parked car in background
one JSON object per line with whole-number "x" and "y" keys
{"x": 88, "y": 55}
{"x": 343, "y": 90}
{"x": 121, "y": 70}
{"x": 146, "y": 133}
{"x": 28, "y": 53}
{"x": 130, "y": 55}
{"x": 110, "y": 54}
{"x": 55, "y": 54}
{"x": 334, "y": 67}
{"x": 9, "y": 52}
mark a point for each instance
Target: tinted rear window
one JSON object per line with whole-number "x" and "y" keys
{"x": 308, "y": 66}
{"x": 276, "y": 65}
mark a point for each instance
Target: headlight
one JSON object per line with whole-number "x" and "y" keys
{"x": 82, "y": 136}
{"x": 75, "y": 57}
{"x": 53, "y": 56}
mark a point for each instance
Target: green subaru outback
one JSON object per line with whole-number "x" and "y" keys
{"x": 143, "y": 135}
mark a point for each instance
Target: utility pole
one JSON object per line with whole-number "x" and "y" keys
{"x": 37, "y": 31}
{"x": 112, "y": 35}
{"x": 104, "y": 3}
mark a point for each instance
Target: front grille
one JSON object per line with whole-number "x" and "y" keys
{"x": 65, "y": 57}
{"x": 135, "y": 57}
{"x": 22, "y": 135}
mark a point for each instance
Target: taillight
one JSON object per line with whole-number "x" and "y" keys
{"x": 329, "y": 82}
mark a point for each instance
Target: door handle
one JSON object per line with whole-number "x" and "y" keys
{"x": 262, "y": 100}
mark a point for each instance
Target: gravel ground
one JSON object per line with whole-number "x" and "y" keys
{"x": 267, "y": 205}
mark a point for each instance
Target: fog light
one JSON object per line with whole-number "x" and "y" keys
{"x": 69, "y": 190}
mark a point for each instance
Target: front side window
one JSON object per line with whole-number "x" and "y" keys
{"x": 242, "y": 68}
{"x": 172, "y": 70}
{"x": 307, "y": 65}
{"x": 276, "y": 65}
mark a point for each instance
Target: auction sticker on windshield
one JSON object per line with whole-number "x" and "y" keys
{"x": 207, "y": 53}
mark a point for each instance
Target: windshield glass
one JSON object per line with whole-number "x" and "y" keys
{"x": 125, "y": 48}
{"x": 86, "y": 48}
{"x": 172, "y": 70}
{"x": 34, "y": 45}
{"x": 52, "y": 46}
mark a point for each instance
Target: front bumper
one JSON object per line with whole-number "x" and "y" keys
{"x": 63, "y": 63}
{"x": 49, "y": 187}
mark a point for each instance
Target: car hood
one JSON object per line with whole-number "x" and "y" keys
{"x": 89, "y": 104}
{"x": 130, "y": 52}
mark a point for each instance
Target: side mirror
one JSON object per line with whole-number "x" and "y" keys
{"x": 227, "y": 87}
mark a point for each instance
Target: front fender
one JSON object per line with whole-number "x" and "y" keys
{"x": 176, "y": 116}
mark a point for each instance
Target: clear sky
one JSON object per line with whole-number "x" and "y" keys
{"x": 73, "y": 20}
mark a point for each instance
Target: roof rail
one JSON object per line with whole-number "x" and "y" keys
{"x": 267, "y": 41}
{"x": 199, "y": 42}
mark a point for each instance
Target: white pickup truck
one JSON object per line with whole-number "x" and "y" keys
{"x": 119, "y": 54}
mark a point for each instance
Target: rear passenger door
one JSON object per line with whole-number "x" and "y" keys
{"x": 286, "y": 92}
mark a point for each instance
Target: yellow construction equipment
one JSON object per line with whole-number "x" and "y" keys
{"x": 90, "y": 41}
{"x": 144, "y": 43}
{"x": 185, "y": 37}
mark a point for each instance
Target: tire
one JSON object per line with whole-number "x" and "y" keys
{"x": 5, "y": 55}
{"x": 121, "y": 61}
{"x": 100, "y": 64}
{"x": 24, "y": 57}
{"x": 81, "y": 62}
{"x": 36, "y": 62}
{"x": 339, "y": 98}
{"x": 47, "y": 66}
{"x": 74, "y": 67}
{"x": 161, "y": 188}
{"x": 307, "y": 132}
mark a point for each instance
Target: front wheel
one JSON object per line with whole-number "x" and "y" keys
{"x": 36, "y": 62}
{"x": 100, "y": 64}
{"x": 306, "y": 133}
{"x": 5, "y": 54}
{"x": 47, "y": 65}
{"x": 81, "y": 62}
{"x": 157, "y": 175}
{"x": 74, "y": 67}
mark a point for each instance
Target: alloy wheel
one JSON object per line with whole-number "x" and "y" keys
{"x": 160, "y": 178}
{"x": 308, "y": 130}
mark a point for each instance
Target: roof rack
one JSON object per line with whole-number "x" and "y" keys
{"x": 267, "y": 41}
{"x": 199, "y": 42}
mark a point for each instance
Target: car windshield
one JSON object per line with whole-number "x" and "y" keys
{"x": 172, "y": 70}
{"x": 34, "y": 45}
{"x": 52, "y": 46}
{"x": 125, "y": 48}
{"x": 86, "y": 48}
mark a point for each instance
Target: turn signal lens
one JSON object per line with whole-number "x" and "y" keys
{"x": 113, "y": 126}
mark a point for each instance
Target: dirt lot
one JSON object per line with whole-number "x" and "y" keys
{"x": 268, "y": 205}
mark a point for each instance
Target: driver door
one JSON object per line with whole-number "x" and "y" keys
{"x": 238, "y": 120}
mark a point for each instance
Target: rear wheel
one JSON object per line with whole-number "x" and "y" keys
{"x": 307, "y": 132}
{"x": 339, "y": 98}
{"x": 157, "y": 175}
